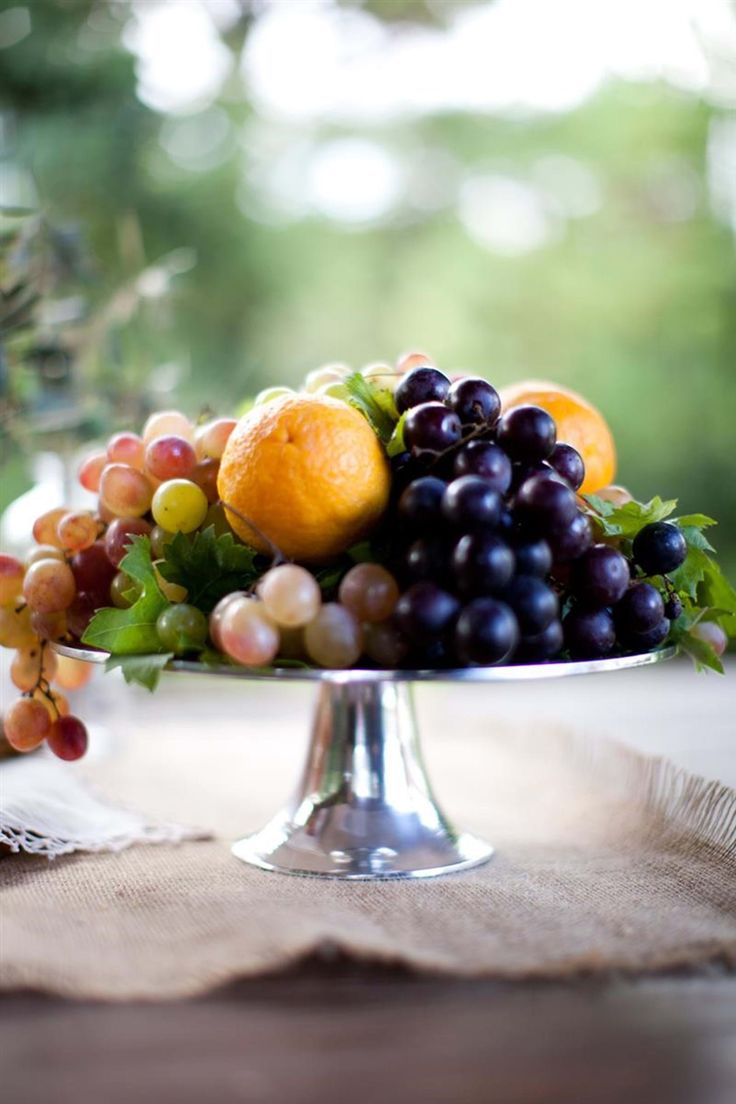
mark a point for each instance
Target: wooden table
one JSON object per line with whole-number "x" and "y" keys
{"x": 333, "y": 1030}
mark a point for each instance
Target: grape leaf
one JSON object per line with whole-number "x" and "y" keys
{"x": 627, "y": 520}
{"x": 690, "y": 574}
{"x": 376, "y": 404}
{"x": 208, "y": 566}
{"x": 396, "y": 443}
{"x": 716, "y": 591}
{"x": 696, "y": 521}
{"x": 131, "y": 631}
{"x": 143, "y": 669}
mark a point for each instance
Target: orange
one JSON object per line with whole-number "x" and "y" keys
{"x": 308, "y": 472}
{"x": 579, "y": 424}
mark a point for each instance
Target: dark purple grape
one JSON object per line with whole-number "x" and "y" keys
{"x": 534, "y": 603}
{"x": 426, "y": 559}
{"x": 420, "y": 506}
{"x": 640, "y": 610}
{"x": 545, "y": 645}
{"x": 527, "y": 433}
{"x": 486, "y": 459}
{"x": 533, "y": 556}
{"x": 431, "y": 427}
{"x": 470, "y": 502}
{"x": 521, "y": 472}
{"x": 568, "y": 463}
{"x": 646, "y": 641}
{"x": 589, "y": 633}
{"x": 431, "y": 654}
{"x": 481, "y": 563}
{"x": 421, "y": 385}
{"x": 93, "y": 573}
{"x": 82, "y": 610}
{"x": 486, "y": 632}
{"x": 569, "y": 542}
{"x": 506, "y": 527}
{"x": 659, "y": 547}
{"x": 673, "y": 607}
{"x": 425, "y": 611}
{"x": 474, "y": 401}
{"x": 403, "y": 470}
{"x": 601, "y": 576}
{"x": 543, "y": 504}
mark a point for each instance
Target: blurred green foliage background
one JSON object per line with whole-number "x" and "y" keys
{"x": 220, "y": 243}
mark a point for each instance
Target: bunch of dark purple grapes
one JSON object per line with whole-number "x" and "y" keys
{"x": 494, "y": 554}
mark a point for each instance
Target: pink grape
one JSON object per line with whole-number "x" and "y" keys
{"x": 44, "y": 552}
{"x": 68, "y": 738}
{"x": 248, "y": 634}
{"x": 49, "y": 586}
{"x": 11, "y": 579}
{"x": 407, "y": 361}
{"x": 217, "y": 614}
{"x": 15, "y": 627}
{"x": 76, "y": 531}
{"x": 126, "y": 448}
{"x": 26, "y": 724}
{"x": 290, "y": 594}
{"x": 44, "y": 527}
{"x": 205, "y": 476}
{"x": 54, "y": 702}
{"x": 90, "y": 471}
{"x": 711, "y": 633}
{"x": 165, "y": 422}
{"x": 125, "y": 491}
{"x": 170, "y": 457}
{"x": 385, "y": 645}
{"x": 369, "y": 591}
{"x": 334, "y": 638}
{"x": 31, "y": 664}
{"x": 49, "y": 626}
{"x": 72, "y": 674}
{"x": 212, "y": 438}
{"x": 119, "y": 535}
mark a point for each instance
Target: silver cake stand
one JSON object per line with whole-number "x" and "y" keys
{"x": 364, "y": 808}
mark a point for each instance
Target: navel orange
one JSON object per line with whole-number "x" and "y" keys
{"x": 308, "y": 472}
{"x": 579, "y": 424}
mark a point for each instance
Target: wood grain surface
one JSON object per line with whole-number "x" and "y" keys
{"x": 337, "y": 1031}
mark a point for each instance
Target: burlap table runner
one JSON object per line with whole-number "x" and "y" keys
{"x": 605, "y": 860}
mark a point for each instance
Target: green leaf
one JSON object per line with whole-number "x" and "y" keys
{"x": 362, "y": 552}
{"x": 716, "y": 591}
{"x": 701, "y": 653}
{"x": 697, "y": 521}
{"x": 375, "y": 403}
{"x": 627, "y": 520}
{"x": 143, "y": 669}
{"x": 396, "y": 441}
{"x": 690, "y": 574}
{"x": 329, "y": 578}
{"x": 208, "y": 566}
{"x": 131, "y": 631}
{"x": 695, "y": 538}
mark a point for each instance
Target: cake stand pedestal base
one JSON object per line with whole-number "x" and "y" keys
{"x": 364, "y": 808}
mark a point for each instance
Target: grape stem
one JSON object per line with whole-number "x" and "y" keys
{"x": 42, "y": 683}
{"x": 277, "y": 556}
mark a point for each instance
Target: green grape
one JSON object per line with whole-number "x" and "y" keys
{"x": 182, "y": 628}
{"x": 179, "y": 506}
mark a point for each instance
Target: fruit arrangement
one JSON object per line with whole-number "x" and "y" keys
{"x": 393, "y": 517}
